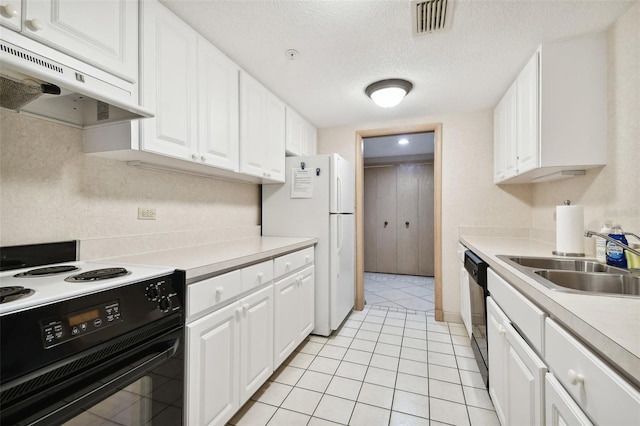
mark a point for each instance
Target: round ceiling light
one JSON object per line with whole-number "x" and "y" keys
{"x": 388, "y": 93}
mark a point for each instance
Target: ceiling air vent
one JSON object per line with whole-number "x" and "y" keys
{"x": 431, "y": 15}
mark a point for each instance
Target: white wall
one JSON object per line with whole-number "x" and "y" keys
{"x": 612, "y": 192}
{"x": 51, "y": 191}
{"x": 468, "y": 196}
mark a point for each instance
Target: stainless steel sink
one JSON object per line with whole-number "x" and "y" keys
{"x": 577, "y": 275}
{"x": 594, "y": 282}
{"x": 566, "y": 264}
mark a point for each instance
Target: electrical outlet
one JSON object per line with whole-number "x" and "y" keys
{"x": 146, "y": 214}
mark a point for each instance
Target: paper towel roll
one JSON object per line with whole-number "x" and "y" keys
{"x": 570, "y": 230}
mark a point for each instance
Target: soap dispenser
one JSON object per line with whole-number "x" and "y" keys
{"x": 615, "y": 253}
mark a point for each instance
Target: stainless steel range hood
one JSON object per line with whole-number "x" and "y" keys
{"x": 32, "y": 83}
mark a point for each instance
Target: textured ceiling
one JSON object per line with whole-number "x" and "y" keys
{"x": 346, "y": 45}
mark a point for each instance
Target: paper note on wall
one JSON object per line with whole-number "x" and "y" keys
{"x": 301, "y": 184}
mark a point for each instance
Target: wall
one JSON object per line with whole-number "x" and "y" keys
{"x": 612, "y": 192}
{"x": 51, "y": 191}
{"x": 468, "y": 196}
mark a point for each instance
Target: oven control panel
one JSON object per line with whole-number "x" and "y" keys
{"x": 162, "y": 293}
{"x": 77, "y": 324}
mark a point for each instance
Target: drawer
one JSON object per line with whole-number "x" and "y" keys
{"x": 207, "y": 293}
{"x": 523, "y": 314}
{"x": 292, "y": 261}
{"x": 256, "y": 275}
{"x": 601, "y": 392}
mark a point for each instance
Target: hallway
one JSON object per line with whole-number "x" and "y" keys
{"x": 410, "y": 292}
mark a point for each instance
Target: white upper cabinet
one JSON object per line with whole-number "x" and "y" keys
{"x": 218, "y": 126}
{"x": 301, "y": 136}
{"x": 103, "y": 33}
{"x": 557, "y": 127}
{"x": 193, "y": 89}
{"x": 169, "y": 83}
{"x": 11, "y": 14}
{"x": 262, "y": 131}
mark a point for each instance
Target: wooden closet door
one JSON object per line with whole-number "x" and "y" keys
{"x": 425, "y": 212}
{"x": 370, "y": 219}
{"x": 407, "y": 217}
{"x": 386, "y": 235}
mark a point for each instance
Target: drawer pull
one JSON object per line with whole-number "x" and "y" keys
{"x": 307, "y": 259}
{"x": 287, "y": 265}
{"x": 245, "y": 307}
{"x": 501, "y": 329}
{"x": 219, "y": 290}
{"x": 575, "y": 378}
{"x": 260, "y": 275}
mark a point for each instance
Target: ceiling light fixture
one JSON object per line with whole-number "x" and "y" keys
{"x": 403, "y": 141}
{"x": 388, "y": 93}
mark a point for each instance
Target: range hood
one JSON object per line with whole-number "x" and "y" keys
{"x": 37, "y": 85}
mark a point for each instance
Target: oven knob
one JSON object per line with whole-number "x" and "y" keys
{"x": 153, "y": 292}
{"x": 164, "y": 304}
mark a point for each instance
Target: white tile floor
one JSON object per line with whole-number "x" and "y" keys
{"x": 384, "y": 366}
{"x": 399, "y": 291}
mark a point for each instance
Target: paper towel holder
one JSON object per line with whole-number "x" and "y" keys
{"x": 559, "y": 253}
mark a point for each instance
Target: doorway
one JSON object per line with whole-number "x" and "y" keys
{"x": 436, "y": 130}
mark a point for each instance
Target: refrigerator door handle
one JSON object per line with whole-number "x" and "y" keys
{"x": 339, "y": 194}
{"x": 339, "y": 242}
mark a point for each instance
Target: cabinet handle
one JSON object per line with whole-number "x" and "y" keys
{"x": 307, "y": 259}
{"x": 575, "y": 378}
{"x": 385, "y": 223}
{"x": 287, "y": 266}
{"x": 194, "y": 157}
{"x": 238, "y": 312}
{"x": 501, "y": 329}
{"x": 245, "y": 307}
{"x": 8, "y": 11}
{"x": 35, "y": 24}
{"x": 406, "y": 224}
{"x": 260, "y": 275}
{"x": 219, "y": 291}
{"x": 203, "y": 158}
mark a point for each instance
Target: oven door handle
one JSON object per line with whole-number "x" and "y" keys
{"x": 134, "y": 370}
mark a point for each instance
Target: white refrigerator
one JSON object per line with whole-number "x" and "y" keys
{"x": 317, "y": 200}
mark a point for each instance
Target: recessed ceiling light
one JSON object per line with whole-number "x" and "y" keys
{"x": 403, "y": 141}
{"x": 388, "y": 93}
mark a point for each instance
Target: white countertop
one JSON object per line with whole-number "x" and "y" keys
{"x": 206, "y": 260}
{"x": 607, "y": 324}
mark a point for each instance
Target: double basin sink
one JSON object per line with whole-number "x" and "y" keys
{"x": 577, "y": 275}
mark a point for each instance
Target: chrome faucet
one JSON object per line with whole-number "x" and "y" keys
{"x": 612, "y": 240}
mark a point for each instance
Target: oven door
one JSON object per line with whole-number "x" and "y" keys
{"x": 140, "y": 387}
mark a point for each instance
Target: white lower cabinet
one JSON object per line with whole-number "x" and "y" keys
{"x": 600, "y": 392}
{"x": 560, "y": 409}
{"x": 294, "y": 312}
{"x": 213, "y": 368}
{"x": 230, "y": 355}
{"x": 516, "y": 373}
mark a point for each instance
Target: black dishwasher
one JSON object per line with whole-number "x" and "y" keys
{"x": 477, "y": 269}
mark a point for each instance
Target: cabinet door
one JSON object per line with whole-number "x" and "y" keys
{"x": 525, "y": 381}
{"x": 465, "y": 300}
{"x": 256, "y": 341}
{"x": 213, "y": 368}
{"x": 505, "y": 136}
{"x": 11, "y": 14}
{"x": 275, "y": 139}
{"x": 169, "y": 83}
{"x": 311, "y": 140}
{"x": 104, "y": 33}
{"x": 527, "y": 117}
{"x": 560, "y": 409}
{"x": 218, "y": 140}
{"x": 307, "y": 294}
{"x": 286, "y": 312}
{"x": 293, "y": 143}
{"x": 253, "y": 101}
{"x": 496, "y": 336}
